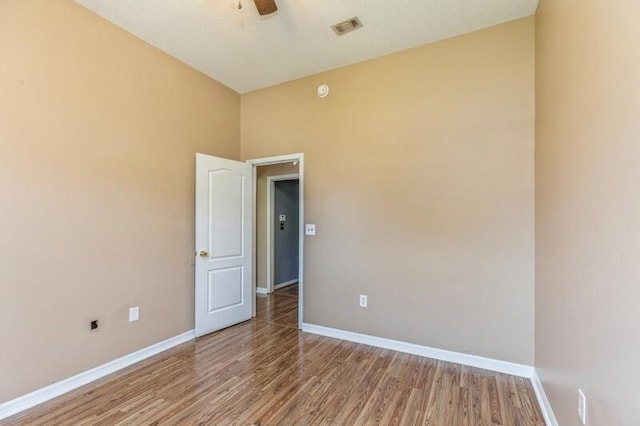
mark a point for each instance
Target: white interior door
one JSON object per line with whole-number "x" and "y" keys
{"x": 224, "y": 256}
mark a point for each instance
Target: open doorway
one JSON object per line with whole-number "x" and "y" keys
{"x": 278, "y": 240}
{"x": 282, "y": 222}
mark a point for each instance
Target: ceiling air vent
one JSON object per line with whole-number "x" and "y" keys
{"x": 347, "y": 26}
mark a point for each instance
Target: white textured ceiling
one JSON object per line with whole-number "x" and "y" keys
{"x": 246, "y": 52}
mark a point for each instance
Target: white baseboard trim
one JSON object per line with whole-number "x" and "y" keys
{"x": 262, "y": 290}
{"x": 426, "y": 351}
{"x": 545, "y": 406}
{"x": 39, "y": 396}
{"x": 284, "y": 284}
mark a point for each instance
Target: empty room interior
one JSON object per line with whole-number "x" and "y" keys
{"x": 273, "y": 212}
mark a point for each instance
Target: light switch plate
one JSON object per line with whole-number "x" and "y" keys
{"x": 310, "y": 229}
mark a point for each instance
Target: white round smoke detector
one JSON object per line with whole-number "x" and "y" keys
{"x": 323, "y": 91}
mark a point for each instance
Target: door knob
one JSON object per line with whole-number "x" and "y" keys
{"x": 203, "y": 253}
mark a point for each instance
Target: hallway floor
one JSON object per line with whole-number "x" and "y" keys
{"x": 279, "y": 307}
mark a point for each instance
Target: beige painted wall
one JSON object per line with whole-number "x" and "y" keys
{"x": 263, "y": 172}
{"x": 98, "y": 132}
{"x": 419, "y": 176}
{"x": 588, "y": 208}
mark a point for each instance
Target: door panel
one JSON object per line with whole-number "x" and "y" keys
{"x": 226, "y": 207}
{"x": 223, "y": 243}
{"x": 225, "y": 288}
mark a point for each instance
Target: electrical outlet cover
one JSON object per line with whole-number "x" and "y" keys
{"x": 134, "y": 314}
{"x": 363, "y": 300}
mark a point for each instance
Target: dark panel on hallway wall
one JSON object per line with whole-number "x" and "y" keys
{"x": 286, "y": 234}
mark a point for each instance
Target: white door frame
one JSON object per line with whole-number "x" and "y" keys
{"x": 271, "y": 180}
{"x": 299, "y": 157}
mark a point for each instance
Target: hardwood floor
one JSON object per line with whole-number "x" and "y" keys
{"x": 262, "y": 373}
{"x": 279, "y": 307}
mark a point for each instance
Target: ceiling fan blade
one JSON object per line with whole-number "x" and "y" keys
{"x": 266, "y": 7}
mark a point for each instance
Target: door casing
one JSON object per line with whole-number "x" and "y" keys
{"x": 266, "y": 161}
{"x": 270, "y": 231}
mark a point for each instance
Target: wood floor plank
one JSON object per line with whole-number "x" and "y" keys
{"x": 406, "y": 375}
{"x": 475, "y": 398}
{"x": 425, "y": 381}
{"x": 265, "y": 373}
{"x": 505, "y": 398}
{"x": 530, "y": 409}
{"x": 494, "y": 401}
